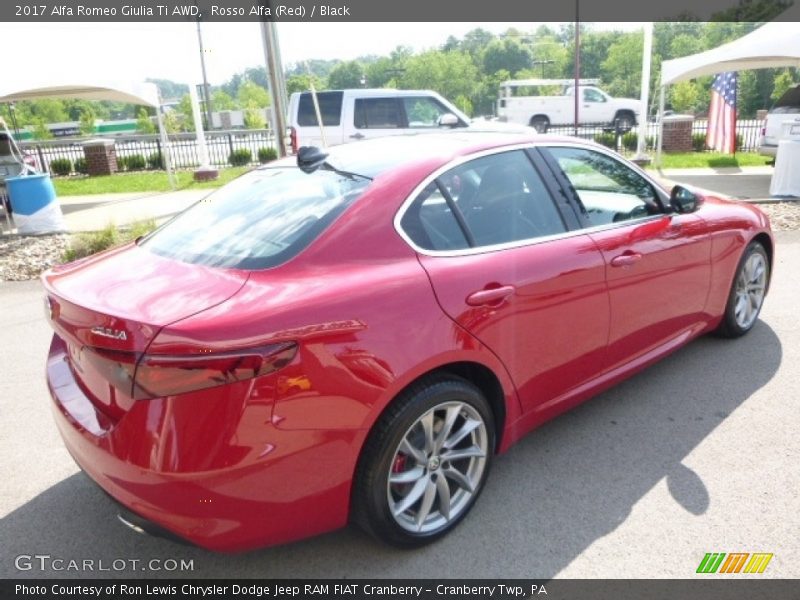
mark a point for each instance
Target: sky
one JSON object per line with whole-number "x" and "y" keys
{"x": 135, "y": 51}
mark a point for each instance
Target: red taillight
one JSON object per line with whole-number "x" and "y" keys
{"x": 293, "y": 139}
{"x": 158, "y": 376}
{"x": 165, "y": 375}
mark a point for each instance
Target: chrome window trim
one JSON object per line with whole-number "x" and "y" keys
{"x": 528, "y": 241}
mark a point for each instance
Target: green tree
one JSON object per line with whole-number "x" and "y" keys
{"x": 252, "y": 95}
{"x": 40, "y": 130}
{"x": 302, "y": 83}
{"x": 254, "y": 119}
{"x": 506, "y": 54}
{"x": 346, "y": 75}
{"x": 87, "y": 121}
{"x": 183, "y": 116}
{"x": 143, "y": 122}
{"x": 172, "y": 122}
{"x": 221, "y": 100}
{"x": 782, "y": 82}
{"x": 452, "y": 74}
{"x": 623, "y": 66}
{"x": 684, "y": 96}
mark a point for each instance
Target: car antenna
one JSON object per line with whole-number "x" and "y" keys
{"x": 316, "y": 105}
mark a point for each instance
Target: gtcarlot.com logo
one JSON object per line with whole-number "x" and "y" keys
{"x": 47, "y": 562}
{"x": 734, "y": 562}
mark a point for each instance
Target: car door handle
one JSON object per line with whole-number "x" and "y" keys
{"x": 626, "y": 260}
{"x": 490, "y": 296}
{"x": 357, "y": 136}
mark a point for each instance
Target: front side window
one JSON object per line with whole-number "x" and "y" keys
{"x": 423, "y": 112}
{"x": 590, "y": 95}
{"x": 491, "y": 200}
{"x": 378, "y": 113}
{"x": 608, "y": 190}
{"x": 259, "y": 221}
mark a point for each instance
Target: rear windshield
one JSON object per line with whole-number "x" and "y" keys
{"x": 330, "y": 107}
{"x": 258, "y": 221}
{"x": 789, "y": 102}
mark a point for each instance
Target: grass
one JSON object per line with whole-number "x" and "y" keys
{"x": 85, "y": 244}
{"x": 693, "y": 160}
{"x": 143, "y": 181}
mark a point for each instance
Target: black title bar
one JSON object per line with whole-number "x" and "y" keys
{"x": 700, "y": 588}
{"x": 395, "y": 11}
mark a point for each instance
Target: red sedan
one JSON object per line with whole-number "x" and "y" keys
{"x": 353, "y": 336}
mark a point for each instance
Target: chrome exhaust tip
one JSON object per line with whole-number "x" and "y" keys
{"x": 130, "y": 525}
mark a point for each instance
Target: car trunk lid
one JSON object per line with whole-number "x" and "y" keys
{"x": 108, "y": 308}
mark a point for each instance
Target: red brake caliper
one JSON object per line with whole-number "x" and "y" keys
{"x": 399, "y": 464}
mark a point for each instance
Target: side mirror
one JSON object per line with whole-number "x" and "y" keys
{"x": 448, "y": 120}
{"x": 683, "y": 201}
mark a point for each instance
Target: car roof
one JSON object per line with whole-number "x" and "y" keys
{"x": 374, "y": 92}
{"x": 376, "y": 156}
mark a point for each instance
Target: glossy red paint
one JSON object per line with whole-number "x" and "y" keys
{"x": 271, "y": 459}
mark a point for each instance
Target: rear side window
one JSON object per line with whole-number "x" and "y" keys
{"x": 330, "y": 107}
{"x": 259, "y": 221}
{"x": 496, "y": 199}
{"x": 789, "y": 102}
{"x": 378, "y": 113}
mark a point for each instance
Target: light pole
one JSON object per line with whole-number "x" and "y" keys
{"x": 206, "y": 93}
{"x": 275, "y": 79}
{"x": 577, "y": 61}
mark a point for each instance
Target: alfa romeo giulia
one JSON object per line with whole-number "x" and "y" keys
{"x": 353, "y": 334}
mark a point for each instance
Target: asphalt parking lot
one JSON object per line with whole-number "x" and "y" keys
{"x": 698, "y": 454}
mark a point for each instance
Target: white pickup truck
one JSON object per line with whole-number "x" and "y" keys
{"x": 540, "y": 112}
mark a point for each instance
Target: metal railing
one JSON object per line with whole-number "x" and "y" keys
{"x": 183, "y": 147}
{"x": 748, "y": 134}
{"x": 221, "y": 144}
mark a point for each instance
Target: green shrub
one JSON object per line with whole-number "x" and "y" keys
{"x": 61, "y": 166}
{"x": 607, "y": 139}
{"x": 267, "y": 154}
{"x": 240, "y": 157}
{"x": 699, "y": 142}
{"x": 122, "y": 163}
{"x": 135, "y": 162}
{"x": 86, "y": 244}
{"x": 630, "y": 141}
{"x": 155, "y": 161}
{"x": 80, "y": 166}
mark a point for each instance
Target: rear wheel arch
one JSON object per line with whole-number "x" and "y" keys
{"x": 473, "y": 382}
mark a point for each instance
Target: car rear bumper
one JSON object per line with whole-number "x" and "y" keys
{"x": 767, "y": 150}
{"x": 221, "y": 477}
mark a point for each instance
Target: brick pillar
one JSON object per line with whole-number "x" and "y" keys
{"x": 761, "y": 114}
{"x": 678, "y": 133}
{"x": 101, "y": 157}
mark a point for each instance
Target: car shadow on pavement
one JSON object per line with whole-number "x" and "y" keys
{"x": 548, "y": 499}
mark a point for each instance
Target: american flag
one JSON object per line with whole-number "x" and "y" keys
{"x": 721, "y": 135}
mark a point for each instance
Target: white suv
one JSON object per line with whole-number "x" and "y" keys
{"x": 786, "y": 110}
{"x": 352, "y": 115}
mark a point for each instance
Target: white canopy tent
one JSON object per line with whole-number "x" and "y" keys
{"x": 775, "y": 44}
{"x": 130, "y": 92}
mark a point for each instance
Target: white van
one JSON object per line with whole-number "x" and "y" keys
{"x": 352, "y": 115}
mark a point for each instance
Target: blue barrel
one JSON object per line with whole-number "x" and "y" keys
{"x": 30, "y": 193}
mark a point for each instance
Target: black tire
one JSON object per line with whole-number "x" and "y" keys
{"x": 733, "y": 325}
{"x": 373, "y": 494}
{"x": 540, "y": 123}
{"x": 624, "y": 122}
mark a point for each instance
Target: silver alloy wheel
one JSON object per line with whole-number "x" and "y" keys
{"x": 750, "y": 289}
{"x": 437, "y": 467}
